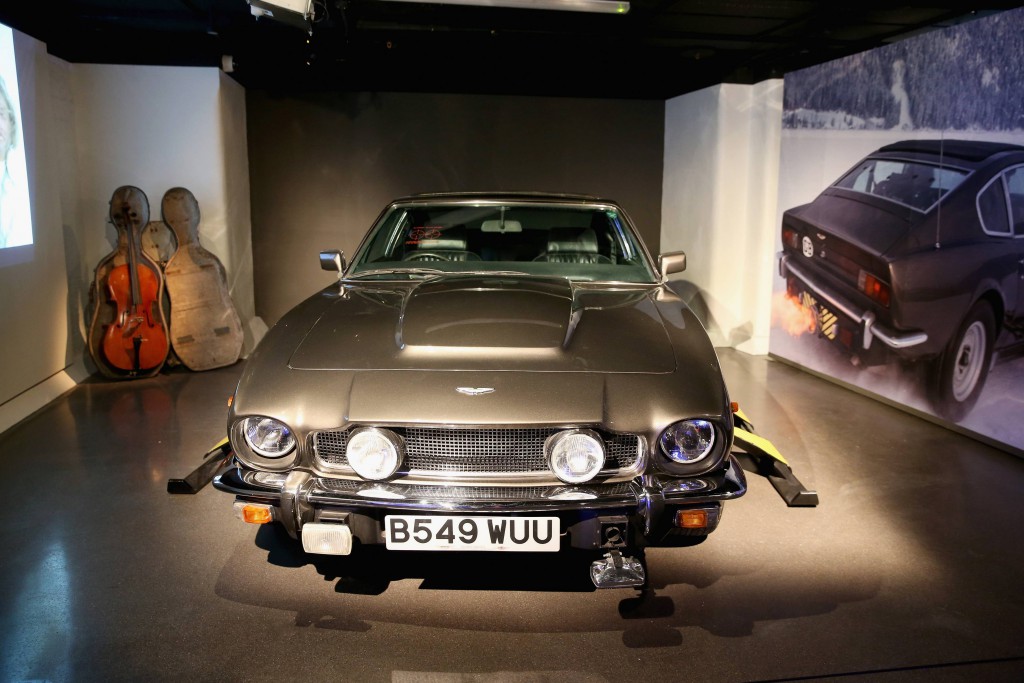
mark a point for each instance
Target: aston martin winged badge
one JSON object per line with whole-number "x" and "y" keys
{"x": 475, "y": 391}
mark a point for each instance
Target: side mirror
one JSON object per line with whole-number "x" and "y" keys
{"x": 333, "y": 260}
{"x": 672, "y": 262}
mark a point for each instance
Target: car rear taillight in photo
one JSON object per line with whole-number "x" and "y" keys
{"x": 874, "y": 288}
{"x": 790, "y": 238}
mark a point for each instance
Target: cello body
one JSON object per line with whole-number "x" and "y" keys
{"x": 206, "y": 331}
{"x": 137, "y": 340}
{"x": 128, "y": 334}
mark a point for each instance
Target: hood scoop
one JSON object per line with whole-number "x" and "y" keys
{"x": 488, "y": 314}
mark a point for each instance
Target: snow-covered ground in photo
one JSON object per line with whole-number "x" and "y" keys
{"x": 997, "y": 415}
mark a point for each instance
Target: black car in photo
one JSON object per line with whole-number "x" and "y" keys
{"x": 917, "y": 253}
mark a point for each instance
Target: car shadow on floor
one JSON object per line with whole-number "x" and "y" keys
{"x": 370, "y": 571}
{"x": 721, "y": 592}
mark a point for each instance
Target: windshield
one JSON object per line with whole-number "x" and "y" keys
{"x": 919, "y": 186}
{"x": 589, "y": 243}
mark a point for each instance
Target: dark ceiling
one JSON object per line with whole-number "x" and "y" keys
{"x": 660, "y": 49}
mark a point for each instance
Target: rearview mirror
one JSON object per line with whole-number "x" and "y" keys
{"x": 671, "y": 262}
{"x": 333, "y": 259}
{"x": 501, "y": 225}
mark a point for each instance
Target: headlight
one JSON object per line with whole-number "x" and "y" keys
{"x": 374, "y": 453}
{"x": 688, "y": 441}
{"x": 575, "y": 456}
{"x": 268, "y": 437}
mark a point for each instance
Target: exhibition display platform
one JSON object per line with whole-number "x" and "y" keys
{"x": 907, "y": 568}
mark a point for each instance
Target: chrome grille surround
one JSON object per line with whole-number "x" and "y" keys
{"x": 480, "y": 455}
{"x": 422, "y": 492}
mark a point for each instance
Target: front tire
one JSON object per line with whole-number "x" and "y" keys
{"x": 963, "y": 367}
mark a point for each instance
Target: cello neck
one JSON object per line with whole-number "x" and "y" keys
{"x": 133, "y": 261}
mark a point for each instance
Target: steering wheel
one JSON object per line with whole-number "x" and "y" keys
{"x": 425, "y": 256}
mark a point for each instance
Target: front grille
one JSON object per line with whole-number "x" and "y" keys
{"x": 476, "y": 451}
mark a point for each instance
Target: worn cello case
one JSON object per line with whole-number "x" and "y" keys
{"x": 128, "y": 332}
{"x": 206, "y": 331}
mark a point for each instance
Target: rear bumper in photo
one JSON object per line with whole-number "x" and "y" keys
{"x": 864, "y": 320}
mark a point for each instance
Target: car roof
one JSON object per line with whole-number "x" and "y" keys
{"x": 963, "y": 150}
{"x": 505, "y": 196}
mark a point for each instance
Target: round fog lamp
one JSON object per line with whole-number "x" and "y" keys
{"x": 268, "y": 437}
{"x": 688, "y": 441}
{"x": 576, "y": 456}
{"x": 374, "y": 453}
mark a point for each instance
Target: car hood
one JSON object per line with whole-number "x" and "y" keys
{"x": 489, "y": 324}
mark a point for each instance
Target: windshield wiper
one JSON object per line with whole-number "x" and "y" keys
{"x": 432, "y": 271}
{"x": 488, "y": 272}
{"x": 396, "y": 271}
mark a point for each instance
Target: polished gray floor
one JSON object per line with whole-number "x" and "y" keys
{"x": 910, "y": 569}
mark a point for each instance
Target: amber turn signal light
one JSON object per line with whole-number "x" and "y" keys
{"x": 254, "y": 513}
{"x": 692, "y": 519}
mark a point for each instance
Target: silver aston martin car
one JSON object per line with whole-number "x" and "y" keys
{"x": 497, "y": 373}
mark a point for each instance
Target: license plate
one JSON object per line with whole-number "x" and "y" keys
{"x": 429, "y": 532}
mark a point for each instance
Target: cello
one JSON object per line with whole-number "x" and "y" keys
{"x": 135, "y": 342}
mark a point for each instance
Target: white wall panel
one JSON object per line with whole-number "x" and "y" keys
{"x": 718, "y": 205}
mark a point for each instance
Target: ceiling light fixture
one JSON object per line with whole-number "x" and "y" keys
{"x": 297, "y": 13}
{"x": 598, "y": 6}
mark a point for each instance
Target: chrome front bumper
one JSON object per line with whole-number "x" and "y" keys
{"x": 871, "y": 329}
{"x": 648, "y": 502}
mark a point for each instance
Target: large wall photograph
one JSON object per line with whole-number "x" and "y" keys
{"x": 15, "y": 214}
{"x": 901, "y": 224}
